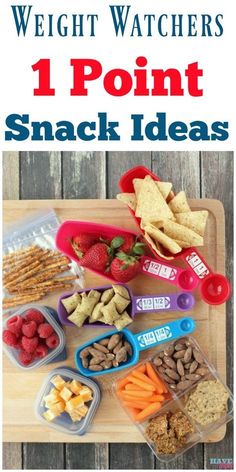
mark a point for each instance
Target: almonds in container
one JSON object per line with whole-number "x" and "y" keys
{"x": 106, "y": 353}
{"x": 181, "y": 364}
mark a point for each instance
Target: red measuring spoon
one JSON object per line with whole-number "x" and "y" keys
{"x": 214, "y": 288}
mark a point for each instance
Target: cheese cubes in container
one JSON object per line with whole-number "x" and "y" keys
{"x": 67, "y": 401}
{"x": 176, "y": 399}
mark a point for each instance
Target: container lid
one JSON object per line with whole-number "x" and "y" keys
{"x": 63, "y": 422}
{"x": 12, "y": 353}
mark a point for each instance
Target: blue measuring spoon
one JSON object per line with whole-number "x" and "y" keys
{"x": 139, "y": 342}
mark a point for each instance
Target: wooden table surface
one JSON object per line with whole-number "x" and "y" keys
{"x": 43, "y": 175}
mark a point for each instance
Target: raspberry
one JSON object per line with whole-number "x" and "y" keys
{"x": 34, "y": 315}
{"x": 30, "y": 344}
{"x": 52, "y": 341}
{"x": 41, "y": 351}
{"x": 19, "y": 344}
{"x": 25, "y": 358}
{"x": 14, "y": 324}
{"x": 29, "y": 328}
{"x": 45, "y": 330}
{"x": 9, "y": 338}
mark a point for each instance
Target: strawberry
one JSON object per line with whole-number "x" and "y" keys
{"x": 97, "y": 257}
{"x": 124, "y": 267}
{"x": 83, "y": 242}
{"x": 127, "y": 243}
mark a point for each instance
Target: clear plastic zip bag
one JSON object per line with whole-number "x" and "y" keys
{"x": 32, "y": 267}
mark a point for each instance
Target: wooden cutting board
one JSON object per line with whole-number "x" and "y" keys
{"x": 111, "y": 424}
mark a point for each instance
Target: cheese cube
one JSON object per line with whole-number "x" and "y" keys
{"x": 49, "y": 415}
{"x": 86, "y": 393}
{"x": 82, "y": 410}
{"x": 53, "y": 397}
{"x": 58, "y": 407}
{"x": 75, "y": 416}
{"x": 66, "y": 394}
{"x": 58, "y": 382}
{"x": 75, "y": 387}
{"x": 74, "y": 403}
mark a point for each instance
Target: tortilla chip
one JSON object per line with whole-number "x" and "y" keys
{"x": 195, "y": 220}
{"x": 157, "y": 248}
{"x": 181, "y": 233}
{"x": 183, "y": 244}
{"x": 151, "y": 204}
{"x": 164, "y": 187}
{"x": 179, "y": 203}
{"x": 137, "y": 183}
{"x": 163, "y": 239}
{"x": 128, "y": 198}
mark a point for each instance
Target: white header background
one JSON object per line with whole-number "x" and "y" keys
{"x": 214, "y": 55}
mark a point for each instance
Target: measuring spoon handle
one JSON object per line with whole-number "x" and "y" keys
{"x": 170, "y": 302}
{"x": 196, "y": 263}
{"x": 164, "y": 333}
{"x": 182, "y": 278}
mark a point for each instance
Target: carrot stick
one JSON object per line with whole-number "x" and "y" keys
{"x": 137, "y": 393}
{"x": 142, "y": 368}
{"x": 142, "y": 384}
{"x": 156, "y": 398}
{"x": 150, "y": 410}
{"x": 131, "y": 386}
{"x": 140, "y": 405}
{"x": 134, "y": 411}
{"x": 152, "y": 374}
{"x": 143, "y": 377}
{"x": 121, "y": 383}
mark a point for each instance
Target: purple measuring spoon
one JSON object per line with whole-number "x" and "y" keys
{"x": 180, "y": 301}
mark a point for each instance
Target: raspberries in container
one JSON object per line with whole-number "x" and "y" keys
{"x": 30, "y": 333}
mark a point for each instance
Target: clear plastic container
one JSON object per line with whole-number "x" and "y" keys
{"x": 63, "y": 422}
{"x": 12, "y": 353}
{"x": 179, "y": 402}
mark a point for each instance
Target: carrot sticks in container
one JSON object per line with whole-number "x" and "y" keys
{"x": 142, "y": 392}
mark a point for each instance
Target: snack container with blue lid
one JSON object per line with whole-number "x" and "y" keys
{"x": 53, "y": 354}
{"x": 63, "y": 422}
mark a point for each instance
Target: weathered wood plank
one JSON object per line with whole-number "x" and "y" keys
{"x": 43, "y": 456}
{"x": 217, "y": 182}
{"x": 12, "y": 452}
{"x": 84, "y": 174}
{"x": 181, "y": 168}
{"x": 87, "y": 456}
{"x": 131, "y": 456}
{"x": 10, "y": 172}
{"x": 120, "y": 162}
{"x": 40, "y": 175}
{"x": 12, "y": 456}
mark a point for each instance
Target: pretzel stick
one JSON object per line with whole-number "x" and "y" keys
{"x": 44, "y": 275}
{"x": 21, "y": 300}
{"x": 56, "y": 264}
{"x": 21, "y": 270}
{"x": 58, "y": 287}
{"x": 32, "y": 271}
{"x": 19, "y": 252}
